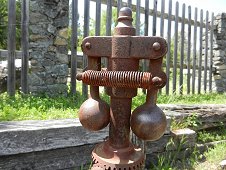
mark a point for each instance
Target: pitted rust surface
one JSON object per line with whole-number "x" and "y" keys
{"x": 123, "y": 51}
{"x": 144, "y": 47}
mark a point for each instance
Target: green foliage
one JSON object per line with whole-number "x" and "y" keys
{"x": 190, "y": 121}
{"x": 4, "y": 23}
{"x": 211, "y": 135}
{"x": 217, "y": 153}
{"x": 92, "y": 24}
{"x": 34, "y": 107}
{"x": 213, "y": 157}
{"x": 41, "y": 108}
{"x": 173, "y": 160}
{"x": 208, "y": 98}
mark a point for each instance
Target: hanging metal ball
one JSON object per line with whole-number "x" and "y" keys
{"x": 148, "y": 122}
{"x": 94, "y": 114}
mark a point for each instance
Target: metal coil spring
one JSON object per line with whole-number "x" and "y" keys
{"x": 127, "y": 79}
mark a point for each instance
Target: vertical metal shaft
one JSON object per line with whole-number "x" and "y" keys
{"x": 120, "y": 107}
{"x": 119, "y": 131}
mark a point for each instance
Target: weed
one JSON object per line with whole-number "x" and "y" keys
{"x": 190, "y": 121}
{"x": 213, "y": 157}
{"x": 205, "y": 136}
{"x": 176, "y": 159}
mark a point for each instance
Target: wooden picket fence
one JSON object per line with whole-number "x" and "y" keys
{"x": 194, "y": 56}
{"x": 198, "y": 68}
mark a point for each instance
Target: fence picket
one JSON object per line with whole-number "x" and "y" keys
{"x": 182, "y": 52}
{"x": 194, "y": 52}
{"x": 24, "y": 45}
{"x": 138, "y": 18}
{"x": 206, "y": 51}
{"x": 196, "y": 64}
{"x": 74, "y": 44}
{"x": 200, "y": 52}
{"x": 129, "y": 3}
{"x": 169, "y": 45}
{"x": 98, "y": 17}
{"x": 154, "y": 18}
{"x": 146, "y": 27}
{"x": 162, "y": 24}
{"x": 11, "y": 46}
{"x": 146, "y": 18}
{"x": 119, "y": 6}
{"x": 211, "y": 53}
{"x": 86, "y": 33}
{"x": 162, "y": 18}
{"x": 189, "y": 51}
{"x": 175, "y": 49}
{"x": 109, "y": 17}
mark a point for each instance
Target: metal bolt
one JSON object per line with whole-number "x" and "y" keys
{"x": 79, "y": 76}
{"x": 156, "y": 46}
{"x": 157, "y": 81}
{"x": 88, "y": 46}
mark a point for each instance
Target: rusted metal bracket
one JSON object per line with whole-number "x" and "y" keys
{"x": 137, "y": 47}
{"x": 121, "y": 79}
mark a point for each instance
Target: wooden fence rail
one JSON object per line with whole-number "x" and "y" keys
{"x": 185, "y": 35}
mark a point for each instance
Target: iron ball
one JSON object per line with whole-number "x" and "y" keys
{"x": 94, "y": 114}
{"x": 148, "y": 122}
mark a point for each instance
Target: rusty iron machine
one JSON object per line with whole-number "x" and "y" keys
{"x": 123, "y": 51}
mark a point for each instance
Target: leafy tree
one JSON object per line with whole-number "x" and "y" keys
{"x": 102, "y": 25}
{"x": 4, "y": 23}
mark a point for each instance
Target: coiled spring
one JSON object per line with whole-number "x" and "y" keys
{"x": 126, "y": 79}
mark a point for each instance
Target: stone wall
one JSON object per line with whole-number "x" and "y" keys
{"x": 48, "y": 46}
{"x": 219, "y": 53}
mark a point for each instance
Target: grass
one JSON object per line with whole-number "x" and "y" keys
{"x": 213, "y": 157}
{"x": 38, "y": 108}
{"x": 206, "y": 136}
{"x": 190, "y": 121}
{"x": 177, "y": 159}
{"x": 43, "y": 108}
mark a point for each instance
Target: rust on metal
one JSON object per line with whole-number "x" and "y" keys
{"x": 123, "y": 51}
{"x": 127, "y": 79}
{"x": 139, "y": 47}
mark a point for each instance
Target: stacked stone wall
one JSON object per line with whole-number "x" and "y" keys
{"x": 48, "y": 46}
{"x": 219, "y": 53}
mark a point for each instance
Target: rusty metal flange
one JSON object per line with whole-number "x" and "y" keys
{"x": 108, "y": 158}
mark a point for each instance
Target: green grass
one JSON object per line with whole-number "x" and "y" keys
{"x": 190, "y": 121}
{"x": 43, "y": 108}
{"x": 213, "y": 157}
{"x": 208, "y": 98}
{"x": 38, "y": 108}
{"x": 211, "y": 135}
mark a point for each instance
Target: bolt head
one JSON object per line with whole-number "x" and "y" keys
{"x": 156, "y": 46}
{"x": 88, "y": 45}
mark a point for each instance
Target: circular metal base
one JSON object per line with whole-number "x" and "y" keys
{"x": 107, "y": 158}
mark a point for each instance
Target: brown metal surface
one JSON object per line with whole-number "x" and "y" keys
{"x": 94, "y": 113}
{"x": 107, "y": 157}
{"x": 139, "y": 47}
{"x": 128, "y": 79}
{"x": 148, "y": 122}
